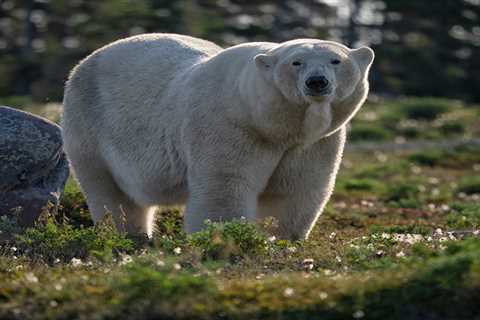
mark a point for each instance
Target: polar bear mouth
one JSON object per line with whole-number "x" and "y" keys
{"x": 323, "y": 93}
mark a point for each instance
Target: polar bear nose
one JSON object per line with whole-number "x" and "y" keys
{"x": 317, "y": 83}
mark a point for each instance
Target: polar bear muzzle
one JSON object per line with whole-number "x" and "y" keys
{"x": 318, "y": 85}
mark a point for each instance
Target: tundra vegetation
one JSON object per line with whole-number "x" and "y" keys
{"x": 400, "y": 239}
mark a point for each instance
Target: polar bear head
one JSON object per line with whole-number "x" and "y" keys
{"x": 309, "y": 71}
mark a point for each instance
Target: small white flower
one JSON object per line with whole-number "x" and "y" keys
{"x": 386, "y": 236}
{"x": 308, "y": 264}
{"x": 260, "y": 276}
{"x": 400, "y": 254}
{"x": 416, "y": 169}
{"x": 288, "y": 292}
{"x": 177, "y": 266}
{"x": 332, "y": 235}
{"x": 292, "y": 249}
{"x": 323, "y": 295}
{"x": 76, "y": 262}
{"x": 30, "y": 277}
{"x": 358, "y": 314}
{"x": 126, "y": 259}
{"x": 58, "y": 287}
{"x": 177, "y": 250}
{"x": 339, "y": 260}
{"x": 272, "y": 239}
{"x": 327, "y": 272}
{"x": 160, "y": 263}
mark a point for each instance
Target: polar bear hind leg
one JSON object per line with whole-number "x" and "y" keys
{"x": 104, "y": 196}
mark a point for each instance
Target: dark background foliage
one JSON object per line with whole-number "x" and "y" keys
{"x": 424, "y": 48}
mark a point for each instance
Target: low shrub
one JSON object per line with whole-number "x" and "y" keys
{"x": 464, "y": 215}
{"x": 363, "y": 132}
{"x": 50, "y": 240}
{"x": 229, "y": 240}
{"x": 73, "y": 206}
{"x": 424, "y": 108}
{"x": 469, "y": 185}
{"x": 427, "y": 158}
{"x": 361, "y": 185}
{"x": 403, "y": 195}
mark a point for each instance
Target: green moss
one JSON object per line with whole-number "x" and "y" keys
{"x": 427, "y": 158}
{"x": 361, "y": 185}
{"x": 229, "y": 240}
{"x": 452, "y": 128}
{"x": 469, "y": 185}
{"x": 168, "y": 232}
{"x": 147, "y": 292}
{"x": 464, "y": 215}
{"x": 50, "y": 240}
{"x": 424, "y": 108}
{"x": 364, "y": 132}
{"x": 381, "y": 170}
{"x": 413, "y": 228}
{"x": 403, "y": 194}
{"x": 73, "y": 205}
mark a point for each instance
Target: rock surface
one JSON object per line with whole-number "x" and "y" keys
{"x": 33, "y": 167}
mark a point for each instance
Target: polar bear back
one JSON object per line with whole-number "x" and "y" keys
{"x": 120, "y": 91}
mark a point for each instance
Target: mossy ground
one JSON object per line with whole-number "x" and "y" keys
{"x": 398, "y": 240}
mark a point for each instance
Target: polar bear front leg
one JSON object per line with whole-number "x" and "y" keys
{"x": 301, "y": 186}
{"x": 219, "y": 196}
{"x": 226, "y": 173}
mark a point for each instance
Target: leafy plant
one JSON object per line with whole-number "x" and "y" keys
{"x": 52, "y": 240}
{"x": 229, "y": 240}
{"x": 364, "y": 132}
{"x": 469, "y": 185}
{"x": 424, "y": 108}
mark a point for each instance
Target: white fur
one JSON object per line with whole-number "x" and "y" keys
{"x": 164, "y": 119}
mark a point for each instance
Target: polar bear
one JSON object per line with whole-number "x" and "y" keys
{"x": 253, "y": 131}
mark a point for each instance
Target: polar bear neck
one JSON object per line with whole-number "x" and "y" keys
{"x": 271, "y": 115}
{"x": 344, "y": 110}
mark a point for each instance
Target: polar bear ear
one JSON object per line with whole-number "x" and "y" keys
{"x": 264, "y": 61}
{"x": 364, "y": 57}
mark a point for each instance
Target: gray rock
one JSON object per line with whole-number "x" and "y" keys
{"x": 33, "y": 166}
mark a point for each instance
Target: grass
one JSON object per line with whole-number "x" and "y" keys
{"x": 400, "y": 239}
{"x": 415, "y": 118}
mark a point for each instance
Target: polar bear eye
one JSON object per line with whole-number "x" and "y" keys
{"x": 335, "y": 61}
{"x": 296, "y": 63}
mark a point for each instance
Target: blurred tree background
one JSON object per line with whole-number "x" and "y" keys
{"x": 424, "y": 48}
